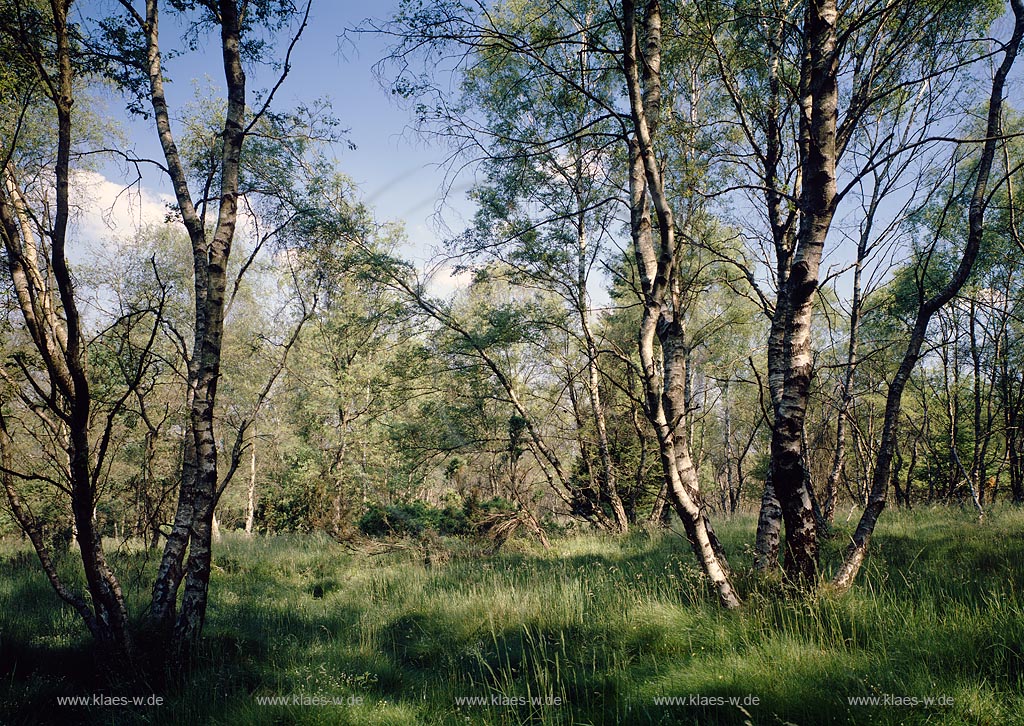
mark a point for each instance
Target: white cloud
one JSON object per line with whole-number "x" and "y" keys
{"x": 106, "y": 212}
{"x": 445, "y": 281}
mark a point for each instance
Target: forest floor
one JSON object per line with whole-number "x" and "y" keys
{"x": 597, "y": 630}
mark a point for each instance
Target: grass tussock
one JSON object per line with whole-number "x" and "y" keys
{"x": 599, "y": 630}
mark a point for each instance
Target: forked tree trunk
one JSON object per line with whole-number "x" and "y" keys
{"x": 664, "y": 380}
{"x": 818, "y": 120}
{"x": 783, "y": 229}
{"x": 191, "y": 533}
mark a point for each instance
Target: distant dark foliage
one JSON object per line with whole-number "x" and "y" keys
{"x": 418, "y": 517}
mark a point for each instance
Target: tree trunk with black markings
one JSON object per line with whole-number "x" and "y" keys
{"x": 857, "y": 550}
{"x": 51, "y": 316}
{"x": 664, "y": 375}
{"x": 819, "y": 107}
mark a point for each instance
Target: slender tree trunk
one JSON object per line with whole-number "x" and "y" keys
{"x": 846, "y": 394}
{"x": 730, "y": 502}
{"x": 658, "y": 511}
{"x": 60, "y": 343}
{"x": 191, "y": 533}
{"x": 610, "y": 488}
{"x": 609, "y": 482}
{"x": 908, "y": 485}
{"x": 665, "y": 383}
{"x": 1012, "y": 394}
{"x": 817, "y": 199}
{"x": 857, "y": 550}
{"x": 952, "y": 410}
{"x": 976, "y": 449}
{"x": 592, "y": 492}
{"x": 250, "y": 500}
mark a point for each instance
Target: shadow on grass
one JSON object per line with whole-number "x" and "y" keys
{"x": 600, "y": 631}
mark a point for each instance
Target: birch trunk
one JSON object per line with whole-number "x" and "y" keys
{"x": 857, "y": 550}
{"x": 769, "y": 520}
{"x": 190, "y": 619}
{"x": 250, "y": 499}
{"x": 53, "y": 321}
{"x": 664, "y": 380}
{"x": 817, "y": 199}
{"x": 192, "y": 531}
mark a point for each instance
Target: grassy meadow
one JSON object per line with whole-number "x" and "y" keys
{"x": 596, "y": 630}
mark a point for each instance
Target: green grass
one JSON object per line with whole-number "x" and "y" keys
{"x": 605, "y": 625}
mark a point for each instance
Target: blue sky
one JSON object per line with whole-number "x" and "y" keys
{"x": 398, "y": 173}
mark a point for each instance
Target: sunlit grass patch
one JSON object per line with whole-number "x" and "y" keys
{"x": 602, "y": 626}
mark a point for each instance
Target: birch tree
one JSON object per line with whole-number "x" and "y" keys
{"x": 811, "y": 86}
{"x": 664, "y": 375}
{"x": 930, "y": 304}
{"x": 187, "y": 553}
{"x": 35, "y": 236}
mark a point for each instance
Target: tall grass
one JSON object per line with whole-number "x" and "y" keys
{"x": 602, "y": 627}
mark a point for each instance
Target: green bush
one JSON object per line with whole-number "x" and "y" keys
{"x": 293, "y": 507}
{"x": 417, "y": 517}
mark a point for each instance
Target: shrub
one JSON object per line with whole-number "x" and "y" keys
{"x": 417, "y": 517}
